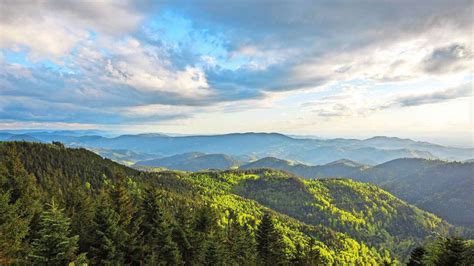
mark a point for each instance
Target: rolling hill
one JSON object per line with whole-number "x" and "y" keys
{"x": 441, "y": 187}
{"x": 444, "y": 188}
{"x": 194, "y": 161}
{"x": 352, "y": 222}
{"x": 334, "y": 169}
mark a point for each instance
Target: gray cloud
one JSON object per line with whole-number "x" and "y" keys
{"x": 448, "y": 59}
{"x": 448, "y": 94}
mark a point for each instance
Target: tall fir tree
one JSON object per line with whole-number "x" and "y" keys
{"x": 416, "y": 256}
{"x": 54, "y": 245}
{"x": 212, "y": 251}
{"x": 129, "y": 222}
{"x": 107, "y": 240}
{"x": 183, "y": 233}
{"x": 157, "y": 232}
{"x": 269, "y": 243}
{"x": 453, "y": 252}
{"x": 313, "y": 255}
{"x": 13, "y": 229}
{"x": 81, "y": 210}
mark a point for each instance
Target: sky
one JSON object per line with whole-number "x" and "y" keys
{"x": 320, "y": 68}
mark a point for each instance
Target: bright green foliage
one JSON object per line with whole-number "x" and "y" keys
{"x": 53, "y": 245}
{"x": 207, "y": 217}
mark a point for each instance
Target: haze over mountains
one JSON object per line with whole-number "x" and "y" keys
{"x": 259, "y": 145}
{"x": 417, "y": 172}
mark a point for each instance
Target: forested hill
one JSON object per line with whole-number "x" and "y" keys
{"x": 340, "y": 168}
{"x": 441, "y": 187}
{"x": 60, "y": 205}
{"x": 193, "y": 161}
{"x": 444, "y": 188}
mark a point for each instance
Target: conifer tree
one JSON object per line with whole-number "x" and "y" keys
{"x": 20, "y": 184}
{"x": 243, "y": 245}
{"x": 13, "y": 230}
{"x": 182, "y": 233}
{"x": 453, "y": 251}
{"x": 81, "y": 210}
{"x": 128, "y": 219}
{"x": 416, "y": 256}
{"x": 269, "y": 243}
{"x": 106, "y": 246}
{"x": 212, "y": 254}
{"x": 157, "y": 232}
{"x": 54, "y": 245}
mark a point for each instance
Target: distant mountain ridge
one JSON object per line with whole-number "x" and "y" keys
{"x": 337, "y": 168}
{"x": 194, "y": 161}
{"x": 259, "y": 145}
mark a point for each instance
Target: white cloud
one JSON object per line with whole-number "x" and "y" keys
{"x": 51, "y": 29}
{"x": 148, "y": 69}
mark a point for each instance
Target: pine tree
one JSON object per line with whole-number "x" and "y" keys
{"x": 128, "y": 220}
{"x": 212, "y": 254}
{"x": 105, "y": 249}
{"x": 269, "y": 243}
{"x": 416, "y": 256}
{"x": 204, "y": 220}
{"x": 452, "y": 252}
{"x": 203, "y": 224}
{"x": 81, "y": 210}
{"x": 242, "y": 245}
{"x": 157, "y": 232}
{"x": 54, "y": 245}
{"x": 182, "y": 233}
{"x": 13, "y": 230}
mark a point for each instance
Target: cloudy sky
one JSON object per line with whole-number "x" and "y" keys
{"x": 331, "y": 69}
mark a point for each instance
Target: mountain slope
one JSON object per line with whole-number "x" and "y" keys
{"x": 334, "y": 169}
{"x": 344, "y": 216}
{"x": 444, "y": 188}
{"x": 194, "y": 161}
{"x": 79, "y": 180}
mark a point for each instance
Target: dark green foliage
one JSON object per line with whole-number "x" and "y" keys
{"x": 157, "y": 232}
{"x": 452, "y": 252}
{"x": 212, "y": 252}
{"x": 13, "y": 229}
{"x": 106, "y": 246}
{"x": 269, "y": 242}
{"x": 416, "y": 256}
{"x": 18, "y": 206}
{"x": 54, "y": 244}
{"x": 443, "y": 251}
